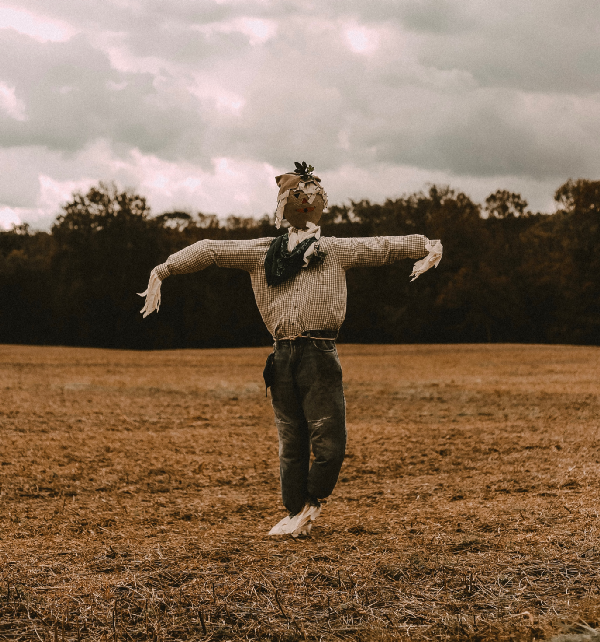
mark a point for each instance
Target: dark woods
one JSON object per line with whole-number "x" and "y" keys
{"x": 507, "y": 275}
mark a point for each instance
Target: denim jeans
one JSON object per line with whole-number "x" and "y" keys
{"x": 310, "y": 413}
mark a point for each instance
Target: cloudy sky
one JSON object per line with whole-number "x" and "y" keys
{"x": 198, "y": 104}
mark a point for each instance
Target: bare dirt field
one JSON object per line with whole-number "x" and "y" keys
{"x": 137, "y": 490}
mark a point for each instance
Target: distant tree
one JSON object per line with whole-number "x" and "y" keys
{"x": 14, "y": 239}
{"x": 577, "y": 225}
{"x": 505, "y": 204}
{"x": 22, "y": 229}
{"x": 104, "y": 207}
{"x": 579, "y": 197}
{"x": 106, "y": 245}
{"x": 25, "y": 285}
{"x": 175, "y": 220}
{"x": 208, "y": 221}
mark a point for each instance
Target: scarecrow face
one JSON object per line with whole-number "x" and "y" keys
{"x": 301, "y": 199}
{"x": 298, "y": 211}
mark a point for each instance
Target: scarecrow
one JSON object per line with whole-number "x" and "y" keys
{"x": 299, "y": 281}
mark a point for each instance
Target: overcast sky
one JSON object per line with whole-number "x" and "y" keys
{"x": 198, "y": 104}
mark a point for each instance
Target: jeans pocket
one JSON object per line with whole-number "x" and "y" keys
{"x": 324, "y": 345}
{"x": 268, "y": 374}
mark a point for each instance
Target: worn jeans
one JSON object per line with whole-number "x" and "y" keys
{"x": 310, "y": 412}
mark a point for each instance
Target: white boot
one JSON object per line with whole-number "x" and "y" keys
{"x": 282, "y": 527}
{"x": 299, "y": 524}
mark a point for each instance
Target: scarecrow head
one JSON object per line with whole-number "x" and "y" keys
{"x": 301, "y": 198}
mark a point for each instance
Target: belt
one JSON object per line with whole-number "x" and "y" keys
{"x": 319, "y": 335}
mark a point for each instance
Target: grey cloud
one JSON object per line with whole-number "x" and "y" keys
{"x": 420, "y": 15}
{"x": 19, "y": 178}
{"x": 488, "y": 89}
{"x": 182, "y": 44}
{"x": 434, "y": 16}
{"x": 544, "y": 62}
{"x": 550, "y": 46}
{"x": 66, "y": 88}
{"x": 537, "y": 46}
{"x": 478, "y": 133}
{"x": 119, "y": 15}
{"x": 491, "y": 143}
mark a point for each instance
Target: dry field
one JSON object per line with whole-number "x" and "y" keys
{"x": 137, "y": 490}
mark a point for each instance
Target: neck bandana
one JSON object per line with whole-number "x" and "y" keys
{"x": 282, "y": 264}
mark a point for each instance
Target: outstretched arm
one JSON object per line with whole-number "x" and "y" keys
{"x": 383, "y": 250}
{"x": 245, "y": 255}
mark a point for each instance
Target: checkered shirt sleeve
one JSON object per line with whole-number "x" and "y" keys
{"x": 378, "y": 250}
{"x": 246, "y": 255}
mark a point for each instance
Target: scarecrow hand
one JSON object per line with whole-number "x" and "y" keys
{"x": 435, "y": 250}
{"x": 152, "y": 294}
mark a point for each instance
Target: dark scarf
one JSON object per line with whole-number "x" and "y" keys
{"x": 281, "y": 265}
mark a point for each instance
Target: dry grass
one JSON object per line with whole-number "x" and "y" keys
{"x": 137, "y": 490}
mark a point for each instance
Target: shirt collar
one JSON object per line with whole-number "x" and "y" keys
{"x": 296, "y": 236}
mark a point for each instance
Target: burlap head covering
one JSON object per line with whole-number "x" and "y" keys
{"x": 301, "y": 198}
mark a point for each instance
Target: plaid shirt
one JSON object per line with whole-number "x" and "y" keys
{"x": 315, "y": 299}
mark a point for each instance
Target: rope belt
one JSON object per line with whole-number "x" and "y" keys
{"x": 307, "y": 336}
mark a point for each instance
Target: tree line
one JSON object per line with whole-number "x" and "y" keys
{"x": 508, "y": 274}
